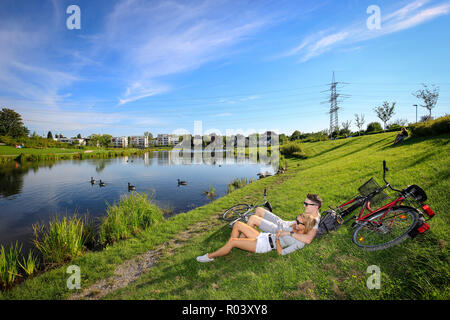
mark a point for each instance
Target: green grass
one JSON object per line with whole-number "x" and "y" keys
{"x": 135, "y": 213}
{"x": 329, "y": 268}
{"x": 61, "y": 240}
{"x": 8, "y": 150}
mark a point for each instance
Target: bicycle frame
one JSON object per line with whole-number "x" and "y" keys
{"x": 366, "y": 205}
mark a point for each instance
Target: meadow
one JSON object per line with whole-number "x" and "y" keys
{"x": 329, "y": 268}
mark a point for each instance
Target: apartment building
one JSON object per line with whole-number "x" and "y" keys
{"x": 77, "y": 141}
{"x": 139, "y": 141}
{"x": 119, "y": 142}
{"x": 166, "y": 140}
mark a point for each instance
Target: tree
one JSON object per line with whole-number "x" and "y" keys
{"x": 49, "y": 135}
{"x": 385, "y": 112}
{"x": 345, "y": 128}
{"x": 359, "y": 119}
{"x": 149, "y": 135}
{"x": 296, "y": 135}
{"x": 79, "y": 136}
{"x": 11, "y": 124}
{"x": 373, "y": 126}
{"x": 428, "y": 96}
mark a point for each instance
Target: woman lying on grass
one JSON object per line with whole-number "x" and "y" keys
{"x": 249, "y": 239}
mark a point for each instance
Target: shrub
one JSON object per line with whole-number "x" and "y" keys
{"x": 293, "y": 149}
{"x": 133, "y": 214}
{"x": 431, "y": 127}
{"x": 374, "y": 126}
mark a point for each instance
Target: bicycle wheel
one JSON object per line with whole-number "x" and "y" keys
{"x": 394, "y": 229}
{"x": 235, "y": 212}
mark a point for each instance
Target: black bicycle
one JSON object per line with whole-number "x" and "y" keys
{"x": 242, "y": 212}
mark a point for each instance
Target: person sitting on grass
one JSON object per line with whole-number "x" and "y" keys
{"x": 401, "y": 136}
{"x": 261, "y": 242}
{"x": 271, "y": 223}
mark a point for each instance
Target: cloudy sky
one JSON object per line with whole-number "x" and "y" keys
{"x": 236, "y": 66}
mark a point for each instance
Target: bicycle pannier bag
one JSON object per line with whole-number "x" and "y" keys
{"x": 329, "y": 221}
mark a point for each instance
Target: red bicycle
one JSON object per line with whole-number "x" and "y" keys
{"x": 390, "y": 224}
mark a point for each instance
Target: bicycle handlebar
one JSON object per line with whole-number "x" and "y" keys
{"x": 384, "y": 177}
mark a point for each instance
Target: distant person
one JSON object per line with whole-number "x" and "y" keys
{"x": 401, "y": 136}
{"x": 249, "y": 239}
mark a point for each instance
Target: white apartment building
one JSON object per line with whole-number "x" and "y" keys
{"x": 80, "y": 142}
{"x": 119, "y": 142}
{"x": 166, "y": 140}
{"x": 139, "y": 141}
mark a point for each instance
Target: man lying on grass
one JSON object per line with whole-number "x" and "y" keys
{"x": 247, "y": 238}
{"x": 269, "y": 222}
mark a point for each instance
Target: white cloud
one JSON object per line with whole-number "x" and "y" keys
{"x": 170, "y": 38}
{"x": 404, "y": 18}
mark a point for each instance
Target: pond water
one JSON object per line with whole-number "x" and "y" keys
{"x": 36, "y": 192}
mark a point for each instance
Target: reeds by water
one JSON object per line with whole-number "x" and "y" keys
{"x": 238, "y": 183}
{"x": 135, "y": 213}
{"x": 9, "y": 269}
{"x": 62, "y": 239}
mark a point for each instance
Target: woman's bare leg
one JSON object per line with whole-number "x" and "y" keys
{"x": 254, "y": 221}
{"x": 244, "y": 244}
{"x": 244, "y": 229}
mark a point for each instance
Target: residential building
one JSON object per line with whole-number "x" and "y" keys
{"x": 166, "y": 139}
{"x": 77, "y": 141}
{"x": 139, "y": 141}
{"x": 119, "y": 142}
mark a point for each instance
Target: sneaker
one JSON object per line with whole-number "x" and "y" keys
{"x": 204, "y": 258}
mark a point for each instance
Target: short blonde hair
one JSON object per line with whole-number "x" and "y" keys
{"x": 309, "y": 221}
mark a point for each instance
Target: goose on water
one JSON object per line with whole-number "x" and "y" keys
{"x": 130, "y": 187}
{"x": 101, "y": 183}
{"x": 181, "y": 182}
{"x": 92, "y": 180}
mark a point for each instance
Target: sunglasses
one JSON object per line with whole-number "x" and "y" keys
{"x": 309, "y": 204}
{"x": 298, "y": 222}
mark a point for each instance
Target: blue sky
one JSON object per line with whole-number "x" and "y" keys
{"x": 237, "y": 66}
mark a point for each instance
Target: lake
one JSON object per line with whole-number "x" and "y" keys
{"x": 35, "y": 192}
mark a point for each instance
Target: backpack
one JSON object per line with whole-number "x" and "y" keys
{"x": 329, "y": 221}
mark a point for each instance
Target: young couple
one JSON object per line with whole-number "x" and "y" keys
{"x": 280, "y": 235}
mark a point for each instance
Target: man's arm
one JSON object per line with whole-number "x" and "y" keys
{"x": 306, "y": 238}
{"x": 277, "y": 242}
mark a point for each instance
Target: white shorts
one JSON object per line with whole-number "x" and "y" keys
{"x": 262, "y": 243}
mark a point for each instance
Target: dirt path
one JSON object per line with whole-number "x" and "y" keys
{"x": 132, "y": 269}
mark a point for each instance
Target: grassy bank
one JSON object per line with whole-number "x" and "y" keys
{"x": 329, "y": 268}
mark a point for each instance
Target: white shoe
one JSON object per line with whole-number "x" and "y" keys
{"x": 204, "y": 258}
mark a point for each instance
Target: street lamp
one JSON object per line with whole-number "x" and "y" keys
{"x": 415, "y": 105}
